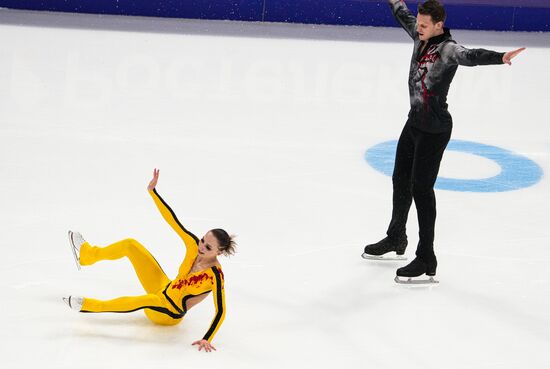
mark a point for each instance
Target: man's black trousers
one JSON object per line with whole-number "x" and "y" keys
{"x": 417, "y": 163}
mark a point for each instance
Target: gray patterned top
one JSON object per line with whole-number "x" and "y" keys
{"x": 432, "y": 70}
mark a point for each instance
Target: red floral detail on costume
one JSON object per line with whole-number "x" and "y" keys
{"x": 430, "y": 57}
{"x": 178, "y": 285}
{"x": 197, "y": 279}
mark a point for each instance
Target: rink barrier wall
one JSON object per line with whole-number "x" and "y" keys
{"x": 500, "y": 15}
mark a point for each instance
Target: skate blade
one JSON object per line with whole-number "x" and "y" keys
{"x": 413, "y": 281}
{"x": 383, "y": 257}
{"x": 73, "y": 249}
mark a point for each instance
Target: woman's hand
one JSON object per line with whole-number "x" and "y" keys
{"x": 204, "y": 344}
{"x": 154, "y": 181}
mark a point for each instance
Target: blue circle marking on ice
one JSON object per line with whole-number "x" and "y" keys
{"x": 516, "y": 171}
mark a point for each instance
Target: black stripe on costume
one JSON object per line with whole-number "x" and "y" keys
{"x": 219, "y": 304}
{"x": 175, "y": 217}
{"x": 185, "y": 298}
{"x": 172, "y": 301}
{"x": 156, "y": 261}
{"x": 155, "y": 308}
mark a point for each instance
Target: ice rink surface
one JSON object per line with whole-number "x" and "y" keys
{"x": 261, "y": 130}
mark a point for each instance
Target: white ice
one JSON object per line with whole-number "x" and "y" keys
{"x": 261, "y": 129}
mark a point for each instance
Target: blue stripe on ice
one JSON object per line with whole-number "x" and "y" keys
{"x": 516, "y": 172}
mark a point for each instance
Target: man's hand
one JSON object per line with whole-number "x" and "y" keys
{"x": 154, "y": 181}
{"x": 204, "y": 344}
{"x": 507, "y": 58}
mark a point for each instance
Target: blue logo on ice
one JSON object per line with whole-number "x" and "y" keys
{"x": 516, "y": 171}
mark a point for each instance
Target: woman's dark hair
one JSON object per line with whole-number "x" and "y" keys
{"x": 434, "y": 9}
{"x": 227, "y": 242}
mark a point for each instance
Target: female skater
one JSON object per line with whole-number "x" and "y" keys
{"x": 166, "y": 301}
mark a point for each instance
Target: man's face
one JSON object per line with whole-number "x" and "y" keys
{"x": 426, "y": 28}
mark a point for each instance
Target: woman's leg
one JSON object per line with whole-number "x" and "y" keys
{"x": 130, "y": 304}
{"x": 149, "y": 272}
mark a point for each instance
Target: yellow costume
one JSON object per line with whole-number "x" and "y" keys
{"x": 165, "y": 301}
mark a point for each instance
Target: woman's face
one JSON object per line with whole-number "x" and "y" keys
{"x": 209, "y": 246}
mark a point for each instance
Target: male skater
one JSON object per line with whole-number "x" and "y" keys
{"x": 435, "y": 59}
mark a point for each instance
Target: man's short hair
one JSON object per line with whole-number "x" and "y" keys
{"x": 434, "y": 9}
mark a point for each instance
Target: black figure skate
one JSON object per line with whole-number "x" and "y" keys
{"x": 417, "y": 268}
{"x": 378, "y": 251}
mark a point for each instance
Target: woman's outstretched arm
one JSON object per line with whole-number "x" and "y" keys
{"x": 219, "y": 303}
{"x": 190, "y": 240}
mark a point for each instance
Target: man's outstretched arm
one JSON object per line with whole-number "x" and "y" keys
{"x": 471, "y": 57}
{"x": 404, "y": 16}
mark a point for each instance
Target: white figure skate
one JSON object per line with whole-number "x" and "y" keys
{"x": 74, "y": 302}
{"x": 75, "y": 241}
